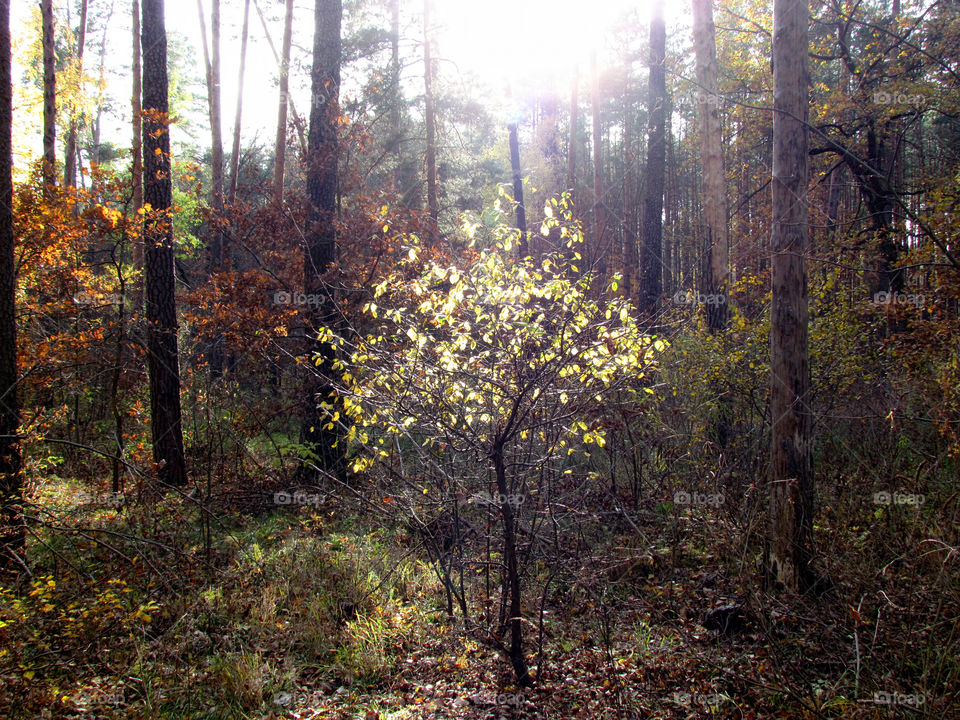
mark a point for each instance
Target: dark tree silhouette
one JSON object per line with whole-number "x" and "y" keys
{"x": 161, "y": 311}
{"x": 518, "y": 189}
{"x": 11, "y": 483}
{"x": 321, "y": 235}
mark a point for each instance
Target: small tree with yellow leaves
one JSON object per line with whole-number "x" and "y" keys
{"x": 477, "y": 389}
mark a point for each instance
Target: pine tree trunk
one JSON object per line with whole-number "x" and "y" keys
{"x": 70, "y": 151}
{"x": 163, "y": 362}
{"x": 572, "y": 142}
{"x": 216, "y": 131}
{"x": 651, "y": 262}
{"x": 321, "y": 235}
{"x": 670, "y": 238}
{"x": 789, "y": 543}
{"x": 396, "y": 147}
{"x": 238, "y": 116}
{"x": 297, "y": 123}
{"x": 630, "y": 253}
{"x": 280, "y": 151}
{"x": 598, "y": 251}
{"x": 49, "y": 98}
{"x": 12, "y": 531}
{"x": 95, "y": 130}
{"x": 711, "y": 158}
{"x": 137, "y": 152}
{"x": 430, "y": 120}
{"x": 211, "y": 58}
{"x": 518, "y": 189}
{"x": 546, "y": 139}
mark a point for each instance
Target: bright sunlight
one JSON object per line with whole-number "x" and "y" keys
{"x": 521, "y": 43}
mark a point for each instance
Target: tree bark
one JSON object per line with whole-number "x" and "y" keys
{"x": 572, "y": 142}
{"x": 70, "y": 151}
{"x": 546, "y": 140}
{"x": 137, "y": 151}
{"x": 599, "y": 210}
{"x": 161, "y": 312}
{"x": 212, "y": 57}
{"x": 711, "y": 159}
{"x": 280, "y": 151}
{"x": 670, "y": 239}
{"x": 630, "y": 251}
{"x": 651, "y": 261}
{"x": 396, "y": 147}
{"x": 49, "y": 98}
{"x": 95, "y": 131}
{"x": 12, "y": 530}
{"x": 215, "y": 246}
{"x": 297, "y": 123}
{"x": 321, "y": 235}
{"x": 235, "y": 150}
{"x": 790, "y": 539}
{"x": 430, "y": 120}
{"x": 518, "y": 190}
{"x": 512, "y": 570}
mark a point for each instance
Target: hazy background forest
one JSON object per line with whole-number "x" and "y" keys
{"x": 394, "y": 359}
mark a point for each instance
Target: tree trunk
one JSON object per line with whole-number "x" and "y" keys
{"x": 235, "y": 150}
{"x": 137, "y": 171}
{"x": 95, "y": 131}
{"x": 49, "y": 98}
{"x": 630, "y": 254}
{"x": 572, "y": 142}
{"x": 12, "y": 531}
{"x": 651, "y": 261}
{"x": 215, "y": 251}
{"x": 599, "y": 211}
{"x": 789, "y": 544}
{"x": 297, "y": 123}
{"x": 70, "y": 151}
{"x": 546, "y": 140}
{"x": 512, "y": 570}
{"x": 161, "y": 311}
{"x": 670, "y": 238}
{"x": 321, "y": 236}
{"x": 280, "y": 151}
{"x": 711, "y": 158}
{"x": 518, "y": 190}
{"x": 430, "y": 120}
{"x": 211, "y": 58}
{"x": 395, "y": 147}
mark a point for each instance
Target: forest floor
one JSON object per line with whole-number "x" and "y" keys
{"x": 317, "y": 614}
